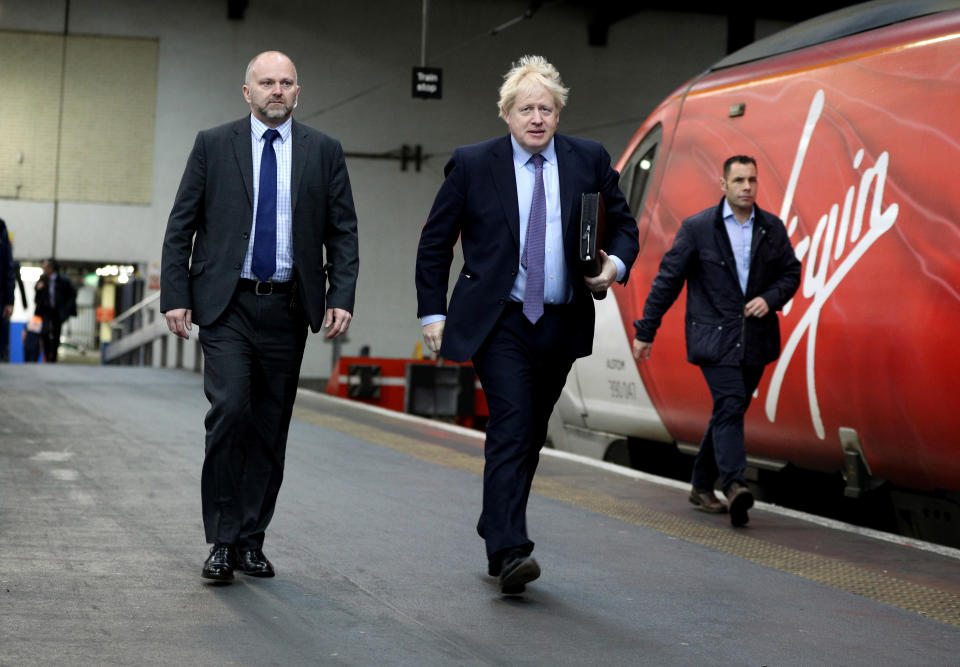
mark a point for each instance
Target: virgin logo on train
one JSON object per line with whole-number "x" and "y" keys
{"x": 843, "y": 234}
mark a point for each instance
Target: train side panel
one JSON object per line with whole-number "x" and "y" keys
{"x": 857, "y": 149}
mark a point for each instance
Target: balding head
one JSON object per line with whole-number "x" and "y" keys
{"x": 270, "y": 87}
{"x": 276, "y": 56}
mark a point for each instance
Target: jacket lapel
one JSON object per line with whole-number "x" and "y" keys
{"x": 505, "y": 182}
{"x": 244, "y": 154}
{"x": 722, "y": 240}
{"x": 566, "y": 169}
{"x": 300, "y": 156}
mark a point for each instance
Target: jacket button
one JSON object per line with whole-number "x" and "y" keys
{"x": 245, "y": 235}
{"x": 513, "y": 273}
{"x": 238, "y": 265}
{"x": 501, "y": 301}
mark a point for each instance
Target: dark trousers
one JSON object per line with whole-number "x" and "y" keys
{"x": 31, "y": 346}
{"x": 722, "y": 454}
{"x": 51, "y": 340}
{"x": 4, "y": 338}
{"x": 522, "y": 368}
{"x": 252, "y": 356}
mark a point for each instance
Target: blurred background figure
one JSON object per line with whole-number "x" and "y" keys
{"x": 56, "y": 302}
{"x": 17, "y": 283}
{"x": 6, "y": 287}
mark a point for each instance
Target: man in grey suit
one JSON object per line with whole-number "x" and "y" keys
{"x": 261, "y": 243}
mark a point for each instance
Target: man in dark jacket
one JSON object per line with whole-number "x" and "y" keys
{"x": 261, "y": 245}
{"x": 56, "y": 302}
{"x": 521, "y": 310}
{"x": 6, "y": 273}
{"x": 740, "y": 269}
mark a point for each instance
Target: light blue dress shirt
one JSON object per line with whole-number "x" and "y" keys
{"x": 556, "y": 285}
{"x": 741, "y": 236}
{"x": 283, "y": 148}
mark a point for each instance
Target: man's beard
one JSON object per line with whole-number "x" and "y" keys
{"x": 275, "y": 112}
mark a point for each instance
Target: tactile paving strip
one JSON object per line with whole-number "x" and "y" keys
{"x": 930, "y": 602}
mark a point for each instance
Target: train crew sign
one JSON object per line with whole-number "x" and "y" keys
{"x": 428, "y": 83}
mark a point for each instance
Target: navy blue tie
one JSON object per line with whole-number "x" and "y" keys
{"x": 533, "y": 249}
{"x": 264, "y": 263}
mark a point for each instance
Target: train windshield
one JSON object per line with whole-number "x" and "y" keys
{"x": 635, "y": 179}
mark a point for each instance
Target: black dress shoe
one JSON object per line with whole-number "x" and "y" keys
{"x": 254, "y": 563}
{"x": 740, "y": 500}
{"x": 220, "y": 563}
{"x": 518, "y": 571}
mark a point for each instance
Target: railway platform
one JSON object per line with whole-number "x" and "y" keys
{"x": 378, "y": 562}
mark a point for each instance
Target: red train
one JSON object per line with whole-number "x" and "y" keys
{"x": 853, "y": 119}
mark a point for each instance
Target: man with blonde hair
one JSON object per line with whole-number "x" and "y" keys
{"x": 521, "y": 309}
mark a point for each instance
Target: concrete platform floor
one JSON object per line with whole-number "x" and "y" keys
{"x": 101, "y": 546}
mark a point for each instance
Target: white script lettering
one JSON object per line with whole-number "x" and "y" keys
{"x": 828, "y": 238}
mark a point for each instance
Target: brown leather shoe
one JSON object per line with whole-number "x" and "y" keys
{"x": 706, "y": 501}
{"x": 518, "y": 570}
{"x": 740, "y": 500}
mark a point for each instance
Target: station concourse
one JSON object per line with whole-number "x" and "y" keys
{"x": 378, "y": 562}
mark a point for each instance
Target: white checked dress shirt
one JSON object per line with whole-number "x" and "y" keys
{"x": 283, "y": 147}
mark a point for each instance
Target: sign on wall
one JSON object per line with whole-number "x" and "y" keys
{"x": 428, "y": 83}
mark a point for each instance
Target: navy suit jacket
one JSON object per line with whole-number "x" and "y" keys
{"x": 478, "y": 203}
{"x": 215, "y": 205}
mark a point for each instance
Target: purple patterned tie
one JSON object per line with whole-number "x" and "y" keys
{"x": 533, "y": 250}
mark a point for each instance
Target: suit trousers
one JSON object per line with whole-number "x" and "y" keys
{"x": 252, "y": 355}
{"x": 722, "y": 454}
{"x": 522, "y": 368}
{"x": 51, "y": 340}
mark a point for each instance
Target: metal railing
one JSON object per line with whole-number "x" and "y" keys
{"x": 140, "y": 338}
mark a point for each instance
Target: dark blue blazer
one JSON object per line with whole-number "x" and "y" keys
{"x": 717, "y": 332}
{"x": 478, "y": 203}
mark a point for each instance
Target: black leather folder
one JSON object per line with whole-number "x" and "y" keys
{"x": 592, "y": 236}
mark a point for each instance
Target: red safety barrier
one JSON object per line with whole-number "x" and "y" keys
{"x": 386, "y": 382}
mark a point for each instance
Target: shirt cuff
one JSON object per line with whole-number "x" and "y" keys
{"x": 430, "y": 319}
{"x": 621, "y": 267}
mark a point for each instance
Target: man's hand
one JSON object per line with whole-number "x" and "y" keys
{"x": 606, "y": 277}
{"x": 433, "y": 335}
{"x": 756, "y": 308}
{"x": 641, "y": 349}
{"x": 178, "y": 321}
{"x": 7, "y": 311}
{"x": 337, "y": 320}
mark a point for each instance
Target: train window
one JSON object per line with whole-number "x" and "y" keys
{"x": 635, "y": 179}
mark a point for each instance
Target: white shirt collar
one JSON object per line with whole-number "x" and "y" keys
{"x": 258, "y": 127}
{"x": 521, "y": 155}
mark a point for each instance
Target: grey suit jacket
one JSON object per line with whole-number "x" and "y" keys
{"x": 210, "y": 224}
